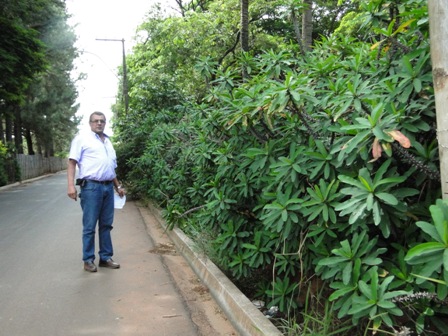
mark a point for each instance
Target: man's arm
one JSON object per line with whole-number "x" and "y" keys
{"x": 71, "y": 171}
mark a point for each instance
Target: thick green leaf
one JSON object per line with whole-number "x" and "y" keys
{"x": 362, "y": 123}
{"x": 366, "y": 290}
{"x": 430, "y": 230}
{"x": 351, "y": 181}
{"x": 385, "y": 304}
{"x": 417, "y": 84}
{"x": 356, "y": 141}
{"x": 417, "y": 253}
{"x": 390, "y": 180}
{"x": 331, "y": 261}
{"x": 387, "y": 198}
{"x": 377, "y": 213}
{"x": 340, "y": 292}
{"x": 440, "y": 221}
{"x": 347, "y": 273}
{"x": 348, "y": 205}
{"x": 325, "y": 212}
{"x": 359, "y": 212}
{"x": 445, "y": 259}
{"x": 367, "y": 183}
{"x": 354, "y": 193}
{"x": 359, "y": 306}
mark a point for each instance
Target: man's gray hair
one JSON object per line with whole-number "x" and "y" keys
{"x": 97, "y": 113}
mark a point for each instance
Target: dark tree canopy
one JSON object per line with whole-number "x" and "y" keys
{"x": 37, "y": 93}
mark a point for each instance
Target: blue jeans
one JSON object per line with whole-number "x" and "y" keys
{"x": 97, "y": 203}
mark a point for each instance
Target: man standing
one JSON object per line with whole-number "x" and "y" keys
{"x": 95, "y": 157}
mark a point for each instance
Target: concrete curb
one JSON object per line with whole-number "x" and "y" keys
{"x": 245, "y": 317}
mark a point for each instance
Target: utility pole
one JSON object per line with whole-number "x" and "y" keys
{"x": 438, "y": 30}
{"x": 125, "y": 75}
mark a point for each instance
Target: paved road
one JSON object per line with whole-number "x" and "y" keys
{"x": 44, "y": 289}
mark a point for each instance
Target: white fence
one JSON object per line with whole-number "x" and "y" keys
{"x": 38, "y": 165}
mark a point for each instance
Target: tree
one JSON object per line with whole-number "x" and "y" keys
{"x": 21, "y": 57}
{"x": 36, "y": 58}
{"x": 438, "y": 18}
{"x": 50, "y": 109}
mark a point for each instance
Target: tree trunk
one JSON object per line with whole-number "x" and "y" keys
{"x": 307, "y": 25}
{"x": 39, "y": 148}
{"x": 18, "y": 139}
{"x": 50, "y": 152}
{"x": 438, "y": 29}
{"x": 2, "y": 132}
{"x": 245, "y": 25}
{"x": 295, "y": 24}
{"x": 29, "y": 142}
{"x": 244, "y": 32}
{"x": 8, "y": 128}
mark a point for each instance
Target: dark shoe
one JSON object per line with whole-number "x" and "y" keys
{"x": 109, "y": 263}
{"x": 89, "y": 266}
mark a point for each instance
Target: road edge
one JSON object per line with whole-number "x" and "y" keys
{"x": 16, "y": 184}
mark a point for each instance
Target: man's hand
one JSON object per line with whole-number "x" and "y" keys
{"x": 72, "y": 193}
{"x": 121, "y": 192}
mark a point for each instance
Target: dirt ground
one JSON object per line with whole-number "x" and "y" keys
{"x": 205, "y": 312}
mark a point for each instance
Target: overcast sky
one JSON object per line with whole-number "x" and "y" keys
{"x": 104, "y": 19}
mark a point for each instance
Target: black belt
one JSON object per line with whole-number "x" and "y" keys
{"x": 100, "y": 182}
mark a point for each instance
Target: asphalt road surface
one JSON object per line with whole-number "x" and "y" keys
{"x": 44, "y": 289}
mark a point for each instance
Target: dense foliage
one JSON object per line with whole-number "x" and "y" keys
{"x": 313, "y": 170}
{"x": 37, "y": 93}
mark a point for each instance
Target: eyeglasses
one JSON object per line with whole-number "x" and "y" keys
{"x": 98, "y": 121}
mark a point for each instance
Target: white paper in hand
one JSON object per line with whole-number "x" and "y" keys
{"x": 119, "y": 202}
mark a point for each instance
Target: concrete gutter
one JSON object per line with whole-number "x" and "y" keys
{"x": 243, "y": 314}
